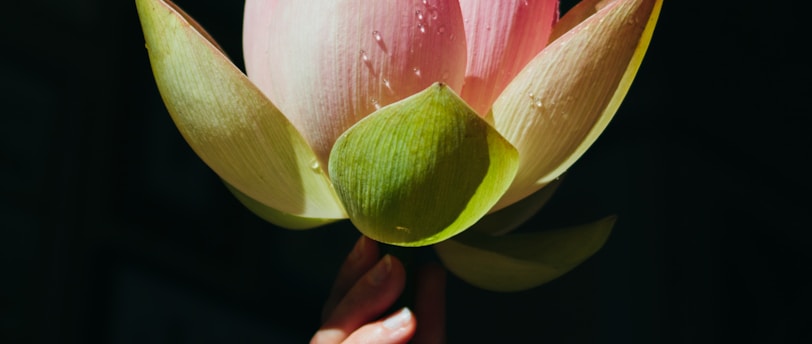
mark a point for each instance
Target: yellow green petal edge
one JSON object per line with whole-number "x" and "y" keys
{"x": 620, "y": 93}
{"x": 229, "y": 123}
{"x": 521, "y": 261}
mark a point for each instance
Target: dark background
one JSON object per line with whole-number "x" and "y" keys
{"x": 113, "y": 231}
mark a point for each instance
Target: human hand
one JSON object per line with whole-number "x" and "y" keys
{"x": 366, "y": 287}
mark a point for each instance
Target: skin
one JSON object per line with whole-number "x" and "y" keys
{"x": 367, "y": 286}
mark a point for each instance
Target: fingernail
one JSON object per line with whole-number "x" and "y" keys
{"x": 381, "y": 270}
{"x": 358, "y": 250}
{"x": 398, "y": 319}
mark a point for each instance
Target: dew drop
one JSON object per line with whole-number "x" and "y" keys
{"x": 419, "y": 14}
{"x": 434, "y": 14}
{"x": 451, "y": 37}
{"x": 314, "y": 165}
{"x": 537, "y": 102}
{"x": 375, "y": 103}
{"x": 364, "y": 56}
{"x": 387, "y": 84}
{"x": 526, "y": 3}
{"x": 416, "y": 71}
{"x": 376, "y": 35}
{"x": 441, "y": 30}
{"x": 421, "y": 27}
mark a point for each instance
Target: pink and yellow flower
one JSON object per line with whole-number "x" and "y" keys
{"x": 414, "y": 119}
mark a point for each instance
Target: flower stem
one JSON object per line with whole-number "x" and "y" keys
{"x": 407, "y": 256}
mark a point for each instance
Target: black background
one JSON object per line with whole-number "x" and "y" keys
{"x": 113, "y": 231}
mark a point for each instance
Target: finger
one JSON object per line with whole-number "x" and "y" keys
{"x": 398, "y": 328}
{"x": 430, "y": 305}
{"x": 363, "y": 257}
{"x": 365, "y": 301}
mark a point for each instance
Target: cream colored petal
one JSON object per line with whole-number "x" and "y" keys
{"x": 229, "y": 123}
{"x": 559, "y": 104}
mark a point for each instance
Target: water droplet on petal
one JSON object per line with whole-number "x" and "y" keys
{"x": 537, "y": 102}
{"x": 416, "y": 71}
{"x": 451, "y": 37}
{"x": 376, "y": 35}
{"x": 434, "y": 14}
{"x": 364, "y": 56}
{"x": 375, "y": 103}
{"x": 314, "y": 165}
{"x": 441, "y": 30}
{"x": 419, "y": 14}
{"x": 421, "y": 27}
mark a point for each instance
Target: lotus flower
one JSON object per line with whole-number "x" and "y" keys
{"x": 417, "y": 120}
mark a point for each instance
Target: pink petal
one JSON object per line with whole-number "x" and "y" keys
{"x": 327, "y": 64}
{"x": 502, "y": 37}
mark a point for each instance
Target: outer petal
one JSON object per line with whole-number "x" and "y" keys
{"x": 421, "y": 170}
{"x": 521, "y": 261}
{"x": 510, "y": 218}
{"x": 277, "y": 217}
{"x": 502, "y": 36}
{"x": 327, "y": 64}
{"x": 229, "y": 123}
{"x": 557, "y": 106}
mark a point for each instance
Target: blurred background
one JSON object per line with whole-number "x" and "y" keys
{"x": 113, "y": 231}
